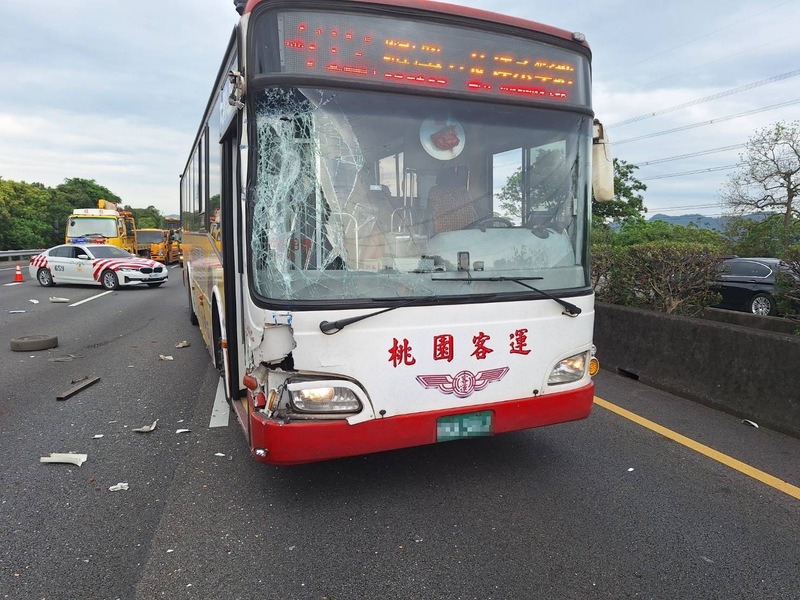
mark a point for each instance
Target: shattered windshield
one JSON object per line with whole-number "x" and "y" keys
{"x": 374, "y": 195}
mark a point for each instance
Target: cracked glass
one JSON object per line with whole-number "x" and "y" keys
{"x": 373, "y": 195}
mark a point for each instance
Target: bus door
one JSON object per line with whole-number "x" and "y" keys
{"x": 232, "y": 261}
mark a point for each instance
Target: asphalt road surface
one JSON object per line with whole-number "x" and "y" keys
{"x": 653, "y": 496}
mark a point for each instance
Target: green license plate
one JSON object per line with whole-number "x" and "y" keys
{"x": 457, "y": 427}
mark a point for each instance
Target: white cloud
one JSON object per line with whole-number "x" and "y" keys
{"x": 114, "y": 91}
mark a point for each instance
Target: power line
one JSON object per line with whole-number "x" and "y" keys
{"x": 689, "y": 207}
{"x": 692, "y": 155}
{"x": 719, "y": 120}
{"x": 747, "y": 19}
{"x": 730, "y": 92}
{"x": 749, "y": 50}
{"x": 681, "y": 174}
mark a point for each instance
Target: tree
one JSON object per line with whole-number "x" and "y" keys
{"x": 770, "y": 179}
{"x": 633, "y": 233}
{"x": 545, "y": 185}
{"x": 23, "y": 210}
{"x": 146, "y": 218}
{"x": 84, "y": 193}
{"x": 628, "y": 203}
{"x": 761, "y": 236}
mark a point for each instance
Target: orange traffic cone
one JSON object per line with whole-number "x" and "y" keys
{"x": 18, "y": 275}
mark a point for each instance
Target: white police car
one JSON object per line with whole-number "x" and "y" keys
{"x": 95, "y": 264}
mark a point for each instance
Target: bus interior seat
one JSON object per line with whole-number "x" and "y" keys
{"x": 450, "y": 201}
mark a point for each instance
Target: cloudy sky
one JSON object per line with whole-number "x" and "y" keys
{"x": 113, "y": 90}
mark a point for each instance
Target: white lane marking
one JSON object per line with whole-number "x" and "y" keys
{"x": 13, "y": 283}
{"x": 220, "y": 410}
{"x": 91, "y": 298}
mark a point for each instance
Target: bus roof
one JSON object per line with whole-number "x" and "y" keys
{"x": 454, "y": 9}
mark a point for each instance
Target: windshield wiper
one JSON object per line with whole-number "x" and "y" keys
{"x": 570, "y": 309}
{"x": 331, "y": 327}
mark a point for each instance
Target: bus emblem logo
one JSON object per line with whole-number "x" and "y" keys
{"x": 464, "y": 382}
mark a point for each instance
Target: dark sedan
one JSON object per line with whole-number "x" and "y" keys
{"x": 748, "y": 284}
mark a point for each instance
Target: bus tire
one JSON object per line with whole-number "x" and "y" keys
{"x": 29, "y": 343}
{"x": 192, "y": 315}
{"x": 216, "y": 336}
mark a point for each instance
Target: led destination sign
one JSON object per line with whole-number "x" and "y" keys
{"x": 406, "y": 53}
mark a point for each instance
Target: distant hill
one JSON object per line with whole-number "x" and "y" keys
{"x": 701, "y": 221}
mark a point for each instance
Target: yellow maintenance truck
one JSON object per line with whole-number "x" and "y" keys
{"x": 106, "y": 223}
{"x": 157, "y": 244}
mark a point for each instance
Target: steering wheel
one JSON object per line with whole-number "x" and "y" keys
{"x": 483, "y": 223}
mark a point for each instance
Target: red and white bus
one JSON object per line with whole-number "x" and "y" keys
{"x": 401, "y": 251}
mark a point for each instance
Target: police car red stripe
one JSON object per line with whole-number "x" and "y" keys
{"x": 40, "y": 260}
{"x": 100, "y": 265}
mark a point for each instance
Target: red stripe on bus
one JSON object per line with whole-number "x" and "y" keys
{"x": 303, "y": 442}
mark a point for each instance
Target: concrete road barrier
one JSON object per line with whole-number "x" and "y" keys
{"x": 748, "y": 372}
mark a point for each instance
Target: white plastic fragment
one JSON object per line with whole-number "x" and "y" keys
{"x": 183, "y": 344}
{"x": 749, "y": 422}
{"x": 118, "y": 487}
{"x": 97, "y": 436}
{"x": 147, "y": 428}
{"x": 219, "y": 454}
{"x": 34, "y": 301}
{"x": 165, "y": 357}
{"x": 16, "y": 312}
{"x": 71, "y": 458}
{"x": 182, "y": 430}
{"x": 58, "y": 300}
{"x": 631, "y": 469}
{"x": 64, "y": 358}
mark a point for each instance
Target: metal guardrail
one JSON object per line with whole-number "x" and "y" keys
{"x": 13, "y": 254}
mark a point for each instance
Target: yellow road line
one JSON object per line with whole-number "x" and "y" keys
{"x": 778, "y": 484}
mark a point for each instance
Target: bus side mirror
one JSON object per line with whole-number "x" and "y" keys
{"x": 602, "y": 165}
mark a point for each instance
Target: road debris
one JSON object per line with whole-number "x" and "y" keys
{"x": 33, "y": 301}
{"x": 72, "y": 458}
{"x": 165, "y": 357}
{"x": 118, "y": 487}
{"x": 749, "y": 422}
{"x": 58, "y": 300}
{"x": 97, "y": 436}
{"x": 16, "y": 312}
{"x": 183, "y": 344}
{"x": 63, "y": 358}
{"x": 30, "y": 343}
{"x": 182, "y": 430}
{"x": 77, "y": 388}
{"x": 147, "y": 428}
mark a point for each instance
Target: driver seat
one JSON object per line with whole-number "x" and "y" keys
{"x": 450, "y": 201}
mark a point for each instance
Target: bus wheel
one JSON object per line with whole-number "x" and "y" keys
{"x": 219, "y": 355}
{"x": 29, "y": 343}
{"x": 109, "y": 280}
{"x": 45, "y": 278}
{"x": 192, "y": 315}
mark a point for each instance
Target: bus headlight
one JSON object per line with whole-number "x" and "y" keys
{"x": 323, "y": 396}
{"x": 568, "y": 370}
